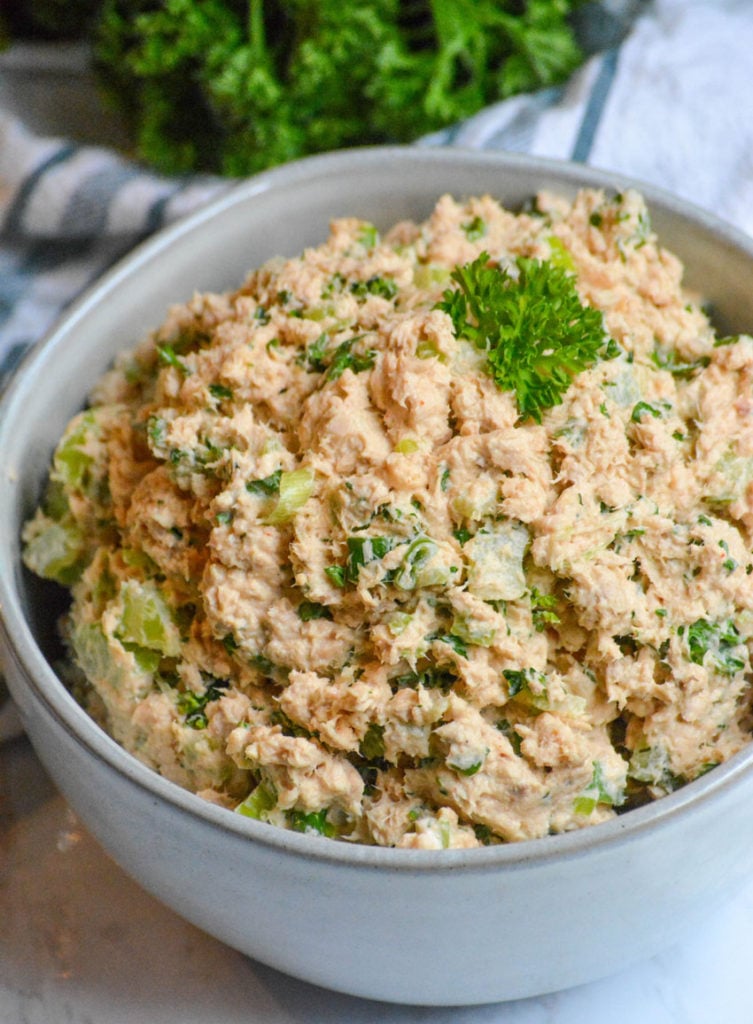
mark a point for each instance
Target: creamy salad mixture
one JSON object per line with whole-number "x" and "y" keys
{"x": 435, "y": 539}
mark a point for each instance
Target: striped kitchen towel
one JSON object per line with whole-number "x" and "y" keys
{"x": 67, "y": 212}
{"x": 665, "y": 98}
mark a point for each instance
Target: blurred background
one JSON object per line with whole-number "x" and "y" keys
{"x": 231, "y": 87}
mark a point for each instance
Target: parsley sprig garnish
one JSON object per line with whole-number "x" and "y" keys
{"x": 536, "y": 332}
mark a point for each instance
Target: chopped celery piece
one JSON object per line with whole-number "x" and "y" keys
{"x": 94, "y": 656}
{"x": 134, "y": 558}
{"x": 623, "y": 389}
{"x": 146, "y": 619}
{"x": 600, "y": 790}
{"x": 531, "y": 687}
{"x": 368, "y": 236}
{"x": 651, "y": 765}
{"x": 467, "y": 763}
{"x": 55, "y": 503}
{"x": 296, "y": 487}
{"x": 573, "y": 432}
{"x": 72, "y": 461}
{"x": 258, "y": 803}
{"x": 335, "y": 574}
{"x": 398, "y": 622}
{"x": 427, "y": 275}
{"x": 147, "y": 661}
{"x": 426, "y": 349}
{"x": 465, "y": 505}
{"x": 496, "y": 562}
{"x": 56, "y": 551}
{"x": 737, "y": 474}
{"x": 407, "y": 445}
{"x": 471, "y": 631}
{"x": 560, "y": 255}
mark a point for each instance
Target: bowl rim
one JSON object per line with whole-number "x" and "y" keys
{"x": 28, "y": 662}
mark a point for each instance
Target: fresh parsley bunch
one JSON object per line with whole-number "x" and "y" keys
{"x": 237, "y": 85}
{"x": 536, "y": 332}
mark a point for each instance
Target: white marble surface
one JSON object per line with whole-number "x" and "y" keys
{"x": 80, "y": 943}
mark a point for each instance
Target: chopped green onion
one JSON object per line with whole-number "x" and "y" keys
{"x": 296, "y": 488}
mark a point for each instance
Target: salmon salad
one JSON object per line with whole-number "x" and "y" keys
{"x": 429, "y": 538}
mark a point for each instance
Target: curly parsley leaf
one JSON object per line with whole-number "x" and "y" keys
{"x": 237, "y": 85}
{"x": 536, "y": 332}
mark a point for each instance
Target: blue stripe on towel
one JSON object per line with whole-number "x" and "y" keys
{"x": 15, "y": 214}
{"x": 595, "y": 107}
{"x": 87, "y": 209}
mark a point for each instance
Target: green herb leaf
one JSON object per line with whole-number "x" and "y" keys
{"x": 308, "y": 610}
{"x": 536, "y": 332}
{"x": 432, "y": 678}
{"x": 344, "y": 359}
{"x": 167, "y": 356}
{"x": 722, "y": 643}
{"x": 313, "y": 821}
{"x": 641, "y": 409}
{"x": 474, "y": 229}
{"x": 193, "y": 705}
{"x": 313, "y": 356}
{"x": 267, "y": 486}
{"x": 383, "y": 286}
{"x": 455, "y": 642}
{"x": 667, "y": 359}
{"x": 372, "y": 744}
{"x": 220, "y": 392}
{"x": 362, "y": 551}
{"x": 258, "y": 803}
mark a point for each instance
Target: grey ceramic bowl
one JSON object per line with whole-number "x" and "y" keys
{"x": 408, "y": 926}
